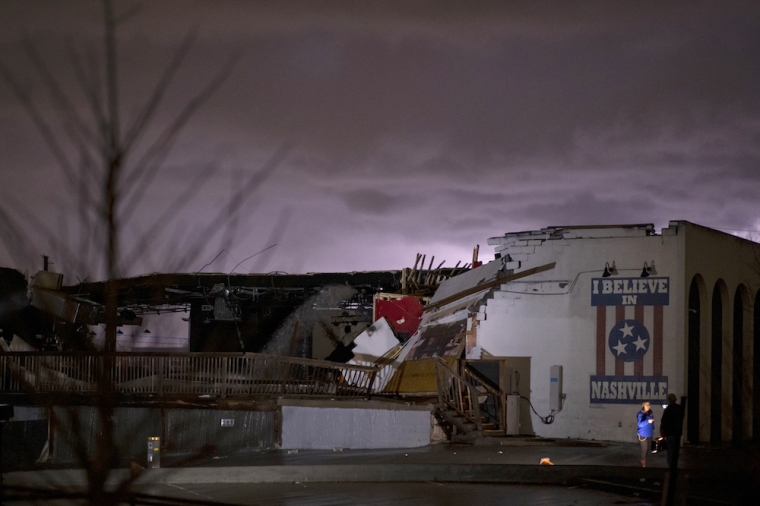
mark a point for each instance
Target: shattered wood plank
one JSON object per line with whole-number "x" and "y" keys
{"x": 491, "y": 284}
{"x": 429, "y": 269}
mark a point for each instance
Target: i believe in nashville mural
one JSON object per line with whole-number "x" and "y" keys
{"x": 633, "y": 346}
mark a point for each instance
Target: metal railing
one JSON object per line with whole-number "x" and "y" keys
{"x": 166, "y": 374}
{"x": 457, "y": 394}
{"x": 492, "y": 401}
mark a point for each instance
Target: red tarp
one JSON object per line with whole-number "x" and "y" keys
{"x": 403, "y": 314}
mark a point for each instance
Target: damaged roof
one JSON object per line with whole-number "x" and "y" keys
{"x": 177, "y": 288}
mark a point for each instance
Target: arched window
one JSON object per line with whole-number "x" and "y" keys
{"x": 695, "y": 315}
{"x": 756, "y": 370}
{"x": 716, "y": 361}
{"x": 737, "y": 383}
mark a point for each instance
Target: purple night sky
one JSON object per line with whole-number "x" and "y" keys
{"x": 415, "y": 126}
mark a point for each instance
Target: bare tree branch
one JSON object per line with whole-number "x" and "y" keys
{"x": 275, "y": 236}
{"x": 146, "y": 169}
{"x": 129, "y": 13}
{"x": 193, "y": 246}
{"x": 60, "y": 99}
{"x": 111, "y": 173}
{"x": 244, "y": 193}
{"x": 231, "y": 223}
{"x": 32, "y": 223}
{"x": 42, "y": 126}
{"x": 144, "y": 117}
{"x": 214, "y": 260}
{"x": 163, "y": 220}
{"x": 87, "y": 209}
{"x": 114, "y": 153}
{"x": 17, "y": 243}
{"x": 90, "y": 86}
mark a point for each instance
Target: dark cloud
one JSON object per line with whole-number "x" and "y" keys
{"x": 589, "y": 209}
{"x": 376, "y": 203}
{"x": 418, "y": 124}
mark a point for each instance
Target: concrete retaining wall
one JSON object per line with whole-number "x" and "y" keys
{"x": 324, "y": 425}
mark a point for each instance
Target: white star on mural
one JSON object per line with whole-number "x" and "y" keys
{"x": 627, "y": 330}
{"x": 640, "y": 343}
{"x": 620, "y": 348}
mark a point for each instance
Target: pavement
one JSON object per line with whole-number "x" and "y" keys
{"x": 707, "y": 475}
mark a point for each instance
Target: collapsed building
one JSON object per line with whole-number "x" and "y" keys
{"x": 586, "y": 323}
{"x": 221, "y": 313}
{"x": 258, "y": 348}
{"x": 562, "y": 335}
{"x": 313, "y": 315}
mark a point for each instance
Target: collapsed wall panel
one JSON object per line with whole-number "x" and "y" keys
{"x": 416, "y": 374}
{"x": 374, "y": 342}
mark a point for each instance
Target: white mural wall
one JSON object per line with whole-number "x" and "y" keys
{"x": 618, "y": 338}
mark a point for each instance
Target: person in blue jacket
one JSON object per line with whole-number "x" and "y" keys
{"x": 645, "y": 430}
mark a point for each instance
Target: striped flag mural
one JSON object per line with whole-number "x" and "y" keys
{"x": 629, "y": 339}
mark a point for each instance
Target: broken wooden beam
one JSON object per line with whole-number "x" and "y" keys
{"x": 491, "y": 284}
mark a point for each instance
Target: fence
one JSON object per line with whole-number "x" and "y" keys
{"x": 189, "y": 374}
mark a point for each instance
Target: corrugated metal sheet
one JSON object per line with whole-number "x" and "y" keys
{"x": 22, "y": 443}
{"x": 187, "y": 430}
{"x": 184, "y": 431}
{"x": 80, "y": 424}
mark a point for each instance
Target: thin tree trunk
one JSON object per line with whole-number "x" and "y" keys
{"x": 113, "y": 161}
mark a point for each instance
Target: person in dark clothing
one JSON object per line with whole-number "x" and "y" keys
{"x": 671, "y": 428}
